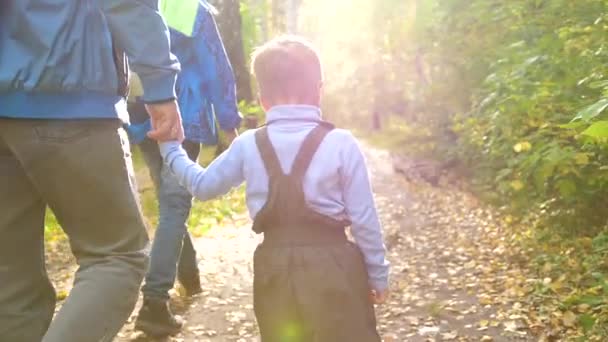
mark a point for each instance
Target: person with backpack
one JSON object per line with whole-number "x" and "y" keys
{"x": 206, "y": 94}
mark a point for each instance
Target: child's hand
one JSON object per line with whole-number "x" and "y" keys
{"x": 378, "y": 297}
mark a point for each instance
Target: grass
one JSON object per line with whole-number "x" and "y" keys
{"x": 390, "y": 137}
{"x": 397, "y": 135}
{"x": 203, "y": 216}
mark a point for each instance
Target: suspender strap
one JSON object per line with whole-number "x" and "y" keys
{"x": 285, "y": 217}
{"x": 303, "y": 158}
{"x": 268, "y": 154}
{"x": 308, "y": 149}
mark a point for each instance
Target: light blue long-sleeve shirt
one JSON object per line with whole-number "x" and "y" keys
{"x": 336, "y": 184}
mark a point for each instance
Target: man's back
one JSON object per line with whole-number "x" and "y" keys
{"x": 64, "y": 59}
{"x": 51, "y": 47}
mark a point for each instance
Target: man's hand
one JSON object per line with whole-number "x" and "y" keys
{"x": 166, "y": 121}
{"x": 378, "y": 297}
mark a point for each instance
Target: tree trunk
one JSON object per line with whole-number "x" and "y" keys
{"x": 264, "y": 18}
{"x": 291, "y": 15}
{"x": 229, "y": 23}
{"x": 278, "y": 16}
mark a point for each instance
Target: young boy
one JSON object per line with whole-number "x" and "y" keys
{"x": 306, "y": 182}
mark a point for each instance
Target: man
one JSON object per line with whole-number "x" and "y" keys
{"x": 206, "y": 92}
{"x": 62, "y": 89}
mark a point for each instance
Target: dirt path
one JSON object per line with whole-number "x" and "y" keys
{"x": 224, "y": 311}
{"x": 452, "y": 275}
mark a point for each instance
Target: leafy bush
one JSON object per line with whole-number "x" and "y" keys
{"x": 515, "y": 73}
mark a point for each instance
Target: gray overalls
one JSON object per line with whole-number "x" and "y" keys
{"x": 310, "y": 282}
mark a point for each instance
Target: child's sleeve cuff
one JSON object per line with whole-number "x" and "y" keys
{"x": 167, "y": 147}
{"x": 379, "y": 285}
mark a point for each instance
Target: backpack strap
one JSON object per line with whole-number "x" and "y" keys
{"x": 309, "y": 147}
{"x": 268, "y": 154}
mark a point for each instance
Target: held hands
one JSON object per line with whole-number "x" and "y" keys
{"x": 166, "y": 122}
{"x": 378, "y": 297}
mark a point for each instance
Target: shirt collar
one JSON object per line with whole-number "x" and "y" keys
{"x": 293, "y": 113}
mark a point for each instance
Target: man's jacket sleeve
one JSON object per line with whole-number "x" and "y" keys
{"x": 138, "y": 28}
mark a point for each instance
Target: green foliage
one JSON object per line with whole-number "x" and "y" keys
{"x": 251, "y": 30}
{"x": 522, "y": 87}
{"x": 597, "y": 130}
{"x": 249, "y": 110}
{"x": 506, "y": 76}
{"x": 52, "y": 229}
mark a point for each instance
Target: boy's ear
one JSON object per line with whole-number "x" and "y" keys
{"x": 318, "y": 99}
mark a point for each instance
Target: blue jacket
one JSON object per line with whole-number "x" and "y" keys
{"x": 66, "y": 59}
{"x": 206, "y": 87}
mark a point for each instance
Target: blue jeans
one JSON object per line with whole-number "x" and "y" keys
{"x": 172, "y": 249}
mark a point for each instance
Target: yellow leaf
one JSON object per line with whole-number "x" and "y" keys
{"x": 581, "y": 159}
{"x": 484, "y": 323}
{"x": 511, "y": 326}
{"x": 583, "y": 308}
{"x": 485, "y": 301}
{"x": 569, "y": 319}
{"x": 517, "y": 185}
{"x": 517, "y": 147}
{"x": 61, "y": 295}
{"x": 522, "y": 146}
{"x": 532, "y": 123}
{"x": 556, "y": 286}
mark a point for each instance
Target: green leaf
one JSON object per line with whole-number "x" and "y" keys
{"x": 572, "y": 125}
{"x": 502, "y": 174}
{"x": 597, "y": 130}
{"x": 591, "y": 111}
{"x": 598, "y": 84}
{"x": 587, "y": 321}
{"x": 566, "y": 187}
{"x": 543, "y": 173}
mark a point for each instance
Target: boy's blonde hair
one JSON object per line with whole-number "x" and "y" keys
{"x": 288, "y": 71}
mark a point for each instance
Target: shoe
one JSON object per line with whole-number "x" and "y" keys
{"x": 156, "y": 319}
